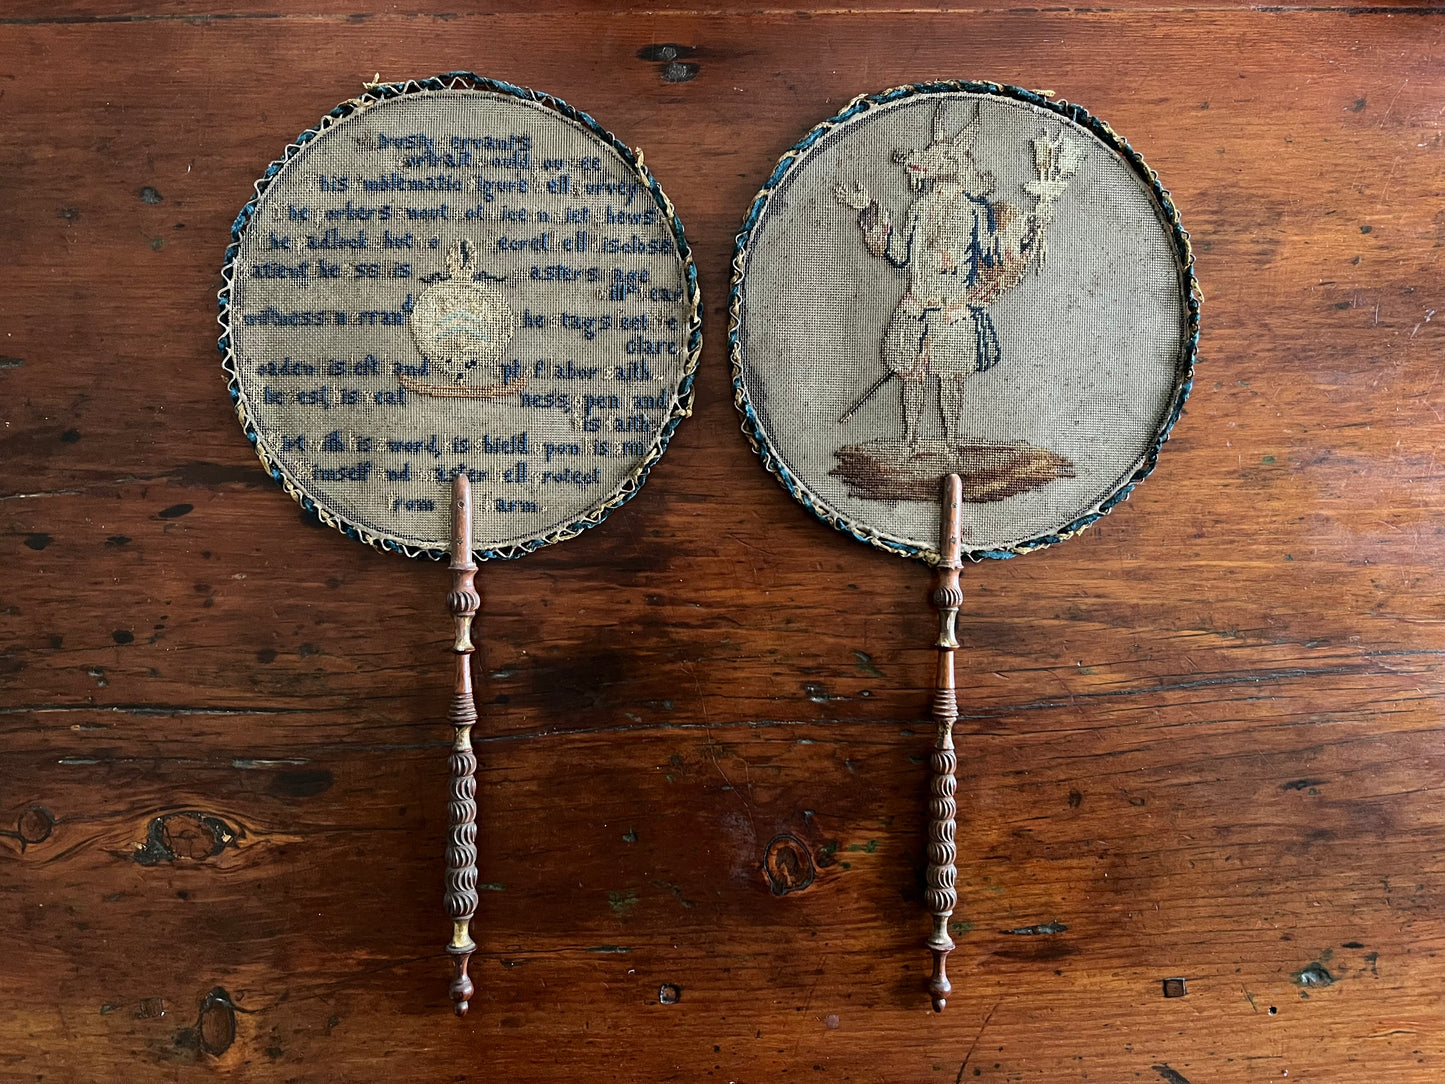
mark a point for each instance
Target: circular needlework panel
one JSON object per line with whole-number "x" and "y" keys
{"x": 459, "y": 275}
{"x": 961, "y": 278}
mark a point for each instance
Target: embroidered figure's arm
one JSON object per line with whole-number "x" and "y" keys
{"x": 1056, "y": 161}
{"x": 874, "y": 221}
{"x": 856, "y": 197}
{"x": 881, "y": 240}
{"x": 1036, "y": 232}
{"x": 1033, "y": 246}
{"x": 877, "y": 227}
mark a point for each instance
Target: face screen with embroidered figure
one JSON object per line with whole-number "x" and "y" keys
{"x": 963, "y": 320}
{"x": 460, "y": 319}
{"x": 956, "y": 281}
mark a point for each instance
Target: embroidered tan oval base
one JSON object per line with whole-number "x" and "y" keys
{"x": 460, "y": 277}
{"x": 953, "y": 280}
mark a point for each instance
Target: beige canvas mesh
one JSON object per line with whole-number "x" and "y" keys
{"x": 1003, "y": 281}
{"x": 461, "y": 279}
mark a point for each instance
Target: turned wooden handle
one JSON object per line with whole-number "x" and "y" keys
{"x": 940, "y": 895}
{"x": 461, "y": 896}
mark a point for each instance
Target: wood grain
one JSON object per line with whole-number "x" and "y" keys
{"x": 1203, "y": 740}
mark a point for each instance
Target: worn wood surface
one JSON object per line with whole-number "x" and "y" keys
{"x": 1202, "y": 740}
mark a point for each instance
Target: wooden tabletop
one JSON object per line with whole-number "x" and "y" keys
{"x": 1202, "y": 741}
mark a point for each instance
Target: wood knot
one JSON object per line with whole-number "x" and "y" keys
{"x": 34, "y": 826}
{"x": 788, "y": 865}
{"x": 185, "y": 836}
{"x": 217, "y": 1022}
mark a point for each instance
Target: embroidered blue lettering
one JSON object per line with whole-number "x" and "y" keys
{"x": 358, "y": 473}
{"x": 334, "y": 238}
{"x": 516, "y": 444}
{"x": 634, "y": 370}
{"x": 564, "y": 273}
{"x": 600, "y": 402}
{"x": 395, "y": 182}
{"x": 638, "y": 345}
{"x": 286, "y": 367}
{"x": 572, "y": 476}
{"x": 542, "y": 242}
{"x": 429, "y": 444}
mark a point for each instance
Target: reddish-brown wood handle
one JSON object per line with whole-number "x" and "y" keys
{"x": 461, "y": 895}
{"x": 940, "y": 894}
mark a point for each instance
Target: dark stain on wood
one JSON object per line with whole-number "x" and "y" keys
{"x": 1315, "y": 974}
{"x": 1047, "y": 929}
{"x": 680, "y": 71}
{"x": 1037, "y": 952}
{"x": 787, "y": 864}
{"x": 673, "y": 68}
{"x": 300, "y": 783}
{"x": 184, "y": 836}
{"x": 664, "y": 52}
{"x": 819, "y": 693}
{"x": 581, "y": 683}
{"x": 70, "y": 436}
{"x": 150, "y": 195}
{"x": 38, "y": 541}
{"x": 669, "y": 994}
{"x": 1302, "y": 784}
{"x": 123, "y": 636}
{"x": 1171, "y": 1076}
{"x": 866, "y": 664}
{"x": 176, "y": 511}
{"x": 206, "y": 475}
